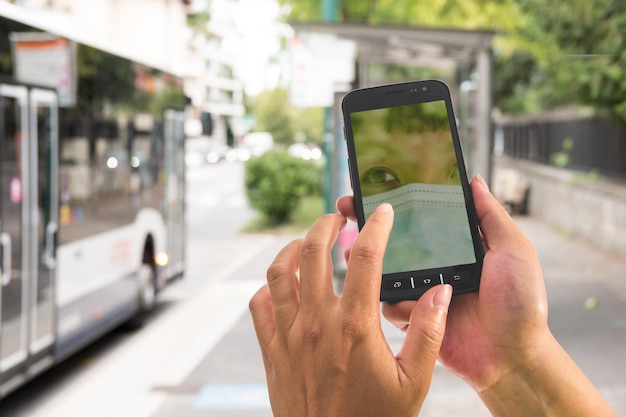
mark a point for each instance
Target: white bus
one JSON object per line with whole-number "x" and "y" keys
{"x": 91, "y": 193}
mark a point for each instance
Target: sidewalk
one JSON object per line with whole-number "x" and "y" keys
{"x": 587, "y": 314}
{"x": 229, "y": 381}
{"x": 587, "y": 305}
{"x": 569, "y": 259}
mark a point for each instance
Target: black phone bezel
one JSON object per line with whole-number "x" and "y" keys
{"x": 400, "y": 94}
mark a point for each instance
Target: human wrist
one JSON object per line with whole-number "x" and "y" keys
{"x": 546, "y": 382}
{"x": 496, "y": 362}
{"x": 526, "y": 385}
{"x": 518, "y": 390}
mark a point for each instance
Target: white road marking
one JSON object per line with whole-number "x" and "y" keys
{"x": 232, "y": 397}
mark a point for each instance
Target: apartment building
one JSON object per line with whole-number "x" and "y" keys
{"x": 156, "y": 32}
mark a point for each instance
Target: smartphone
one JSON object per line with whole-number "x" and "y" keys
{"x": 404, "y": 149}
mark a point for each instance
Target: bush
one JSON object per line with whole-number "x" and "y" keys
{"x": 276, "y": 182}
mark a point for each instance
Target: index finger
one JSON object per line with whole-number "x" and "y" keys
{"x": 365, "y": 266}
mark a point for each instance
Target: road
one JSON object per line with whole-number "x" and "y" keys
{"x": 197, "y": 355}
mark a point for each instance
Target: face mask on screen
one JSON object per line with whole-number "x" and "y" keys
{"x": 430, "y": 227}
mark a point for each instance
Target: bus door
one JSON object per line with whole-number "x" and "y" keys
{"x": 43, "y": 172}
{"x": 175, "y": 190}
{"x": 28, "y": 213}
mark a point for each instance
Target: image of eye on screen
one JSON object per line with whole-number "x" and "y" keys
{"x": 405, "y": 156}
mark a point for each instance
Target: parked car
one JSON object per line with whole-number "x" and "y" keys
{"x": 258, "y": 142}
{"x": 216, "y": 153}
{"x": 238, "y": 154}
{"x": 305, "y": 151}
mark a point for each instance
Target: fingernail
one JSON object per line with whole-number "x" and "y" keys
{"x": 443, "y": 297}
{"x": 482, "y": 181}
{"x": 384, "y": 207}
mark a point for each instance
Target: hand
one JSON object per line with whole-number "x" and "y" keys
{"x": 498, "y": 339}
{"x": 490, "y": 329}
{"x": 326, "y": 355}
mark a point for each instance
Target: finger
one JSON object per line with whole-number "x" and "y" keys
{"x": 495, "y": 222}
{"x": 282, "y": 281}
{"x": 425, "y": 333}
{"x": 345, "y": 206}
{"x": 399, "y": 314}
{"x": 363, "y": 277}
{"x": 262, "y": 313}
{"x": 316, "y": 269}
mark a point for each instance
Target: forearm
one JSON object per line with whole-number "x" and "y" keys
{"x": 550, "y": 384}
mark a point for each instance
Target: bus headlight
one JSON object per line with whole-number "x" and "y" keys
{"x": 162, "y": 259}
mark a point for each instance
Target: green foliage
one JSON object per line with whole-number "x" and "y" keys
{"x": 117, "y": 82}
{"x": 309, "y": 123}
{"x": 383, "y": 73}
{"x": 515, "y": 75}
{"x": 307, "y": 212}
{"x": 7, "y": 26}
{"x": 167, "y": 98}
{"x": 561, "y": 159}
{"x": 547, "y": 53}
{"x": 274, "y": 114}
{"x": 304, "y": 10}
{"x": 502, "y": 15}
{"x": 276, "y": 182}
{"x": 565, "y": 53}
{"x": 581, "y": 51}
{"x": 426, "y": 117}
{"x": 199, "y": 22}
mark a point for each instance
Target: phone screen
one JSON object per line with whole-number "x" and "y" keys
{"x": 405, "y": 155}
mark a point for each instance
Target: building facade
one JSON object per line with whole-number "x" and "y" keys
{"x": 157, "y": 32}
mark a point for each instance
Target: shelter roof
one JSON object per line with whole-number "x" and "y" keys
{"x": 407, "y": 44}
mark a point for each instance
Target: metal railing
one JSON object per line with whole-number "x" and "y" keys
{"x": 592, "y": 145}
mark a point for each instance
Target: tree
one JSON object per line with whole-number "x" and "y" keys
{"x": 486, "y": 14}
{"x": 580, "y": 46}
{"x": 547, "y": 53}
{"x": 287, "y": 124}
{"x": 514, "y": 82}
{"x": 276, "y": 182}
{"x": 309, "y": 124}
{"x": 503, "y": 16}
{"x": 273, "y": 114}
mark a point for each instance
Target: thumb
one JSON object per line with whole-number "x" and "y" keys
{"x": 495, "y": 222}
{"x": 425, "y": 333}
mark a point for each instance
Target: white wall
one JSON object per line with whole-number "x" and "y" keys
{"x": 579, "y": 205}
{"x": 154, "y": 31}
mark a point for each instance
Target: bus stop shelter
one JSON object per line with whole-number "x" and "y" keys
{"x": 467, "y": 52}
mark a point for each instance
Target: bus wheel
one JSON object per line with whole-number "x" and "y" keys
{"x": 147, "y": 287}
{"x": 146, "y": 282}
